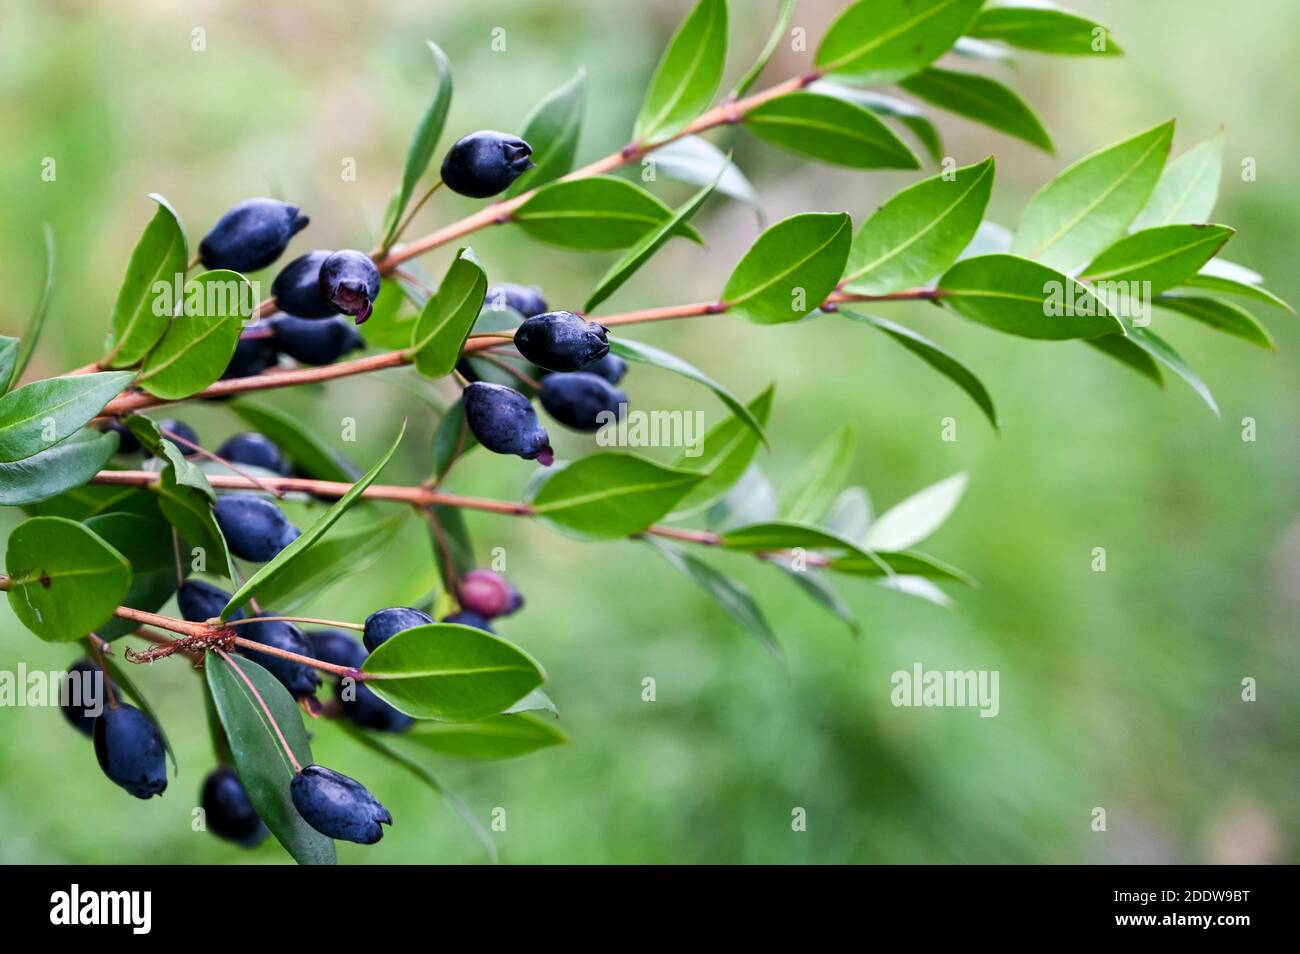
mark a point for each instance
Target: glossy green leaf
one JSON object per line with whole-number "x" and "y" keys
{"x": 448, "y": 316}
{"x": 56, "y": 469}
{"x": 64, "y": 581}
{"x": 646, "y": 246}
{"x": 200, "y": 341}
{"x": 783, "y": 15}
{"x": 1087, "y": 207}
{"x": 752, "y": 499}
{"x": 875, "y": 42}
{"x": 850, "y": 514}
{"x": 821, "y": 593}
{"x": 1230, "y": 286}
{"x": 189, "y": 510}
{"x": 983, "y": 50}
{"x": 147, "y": 545}
{"x": 724, "y": 454}
{"x": 1020, "y": 297}
{"x": 15, "y": 354}
{"x": 39, "y": 415}
{"x": 450, "y": 673}
{"x": 290, "y": 554}
{"x": 880, "y": 104}
{"x": 734, "y": 598}
{"x": 919, "y": 232}
{"x": 505, "y": 736}
{"x": 981, "y": 99}
{"x": 453, "y": 550}
{"x": 648, "y": 354}
{"x": 688, "y": 74}
{"x": 896, "y": 566}
{"x": 598, "y": 212}
{"x": 388, "y": 326}
{"x": 831, "y": 130}
{"x": 1044, "y": 28}
{"x": 452, "y": 440}
{"x": 264, "y": 768}
{"x": 1220, "y": 315}
{"x": 1161, "y": 257}
{"x": 139, "y": 316}
{"x": 186, "y": 471}
{"x": 819, "y": 478}
{"x": 552, "y": 130}
{"x": 1126, "y": 351}
{"x": 611, "y": 495}
{"x": 424, "y": 142}
{"x": 313, "y": 456}
{"x": 1160, "y": 350}
{"x": 535, "y": 701}
{"x": 1187, "y": 189}
{"x": 936, "y": 357}
{"x": 91, "y": 499}
{"x": 790, "y": 270}
{"x": 912, "y": 520}
{"x": 698, "y": 162}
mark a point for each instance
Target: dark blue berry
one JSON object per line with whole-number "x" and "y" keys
{"x": 255, "y": 450}
{"x": 582, "y": 401}
{"x": 337, "y": 647}
{"x": 170, "y": 425}
{"x": 254, "y": 528}
{"x": 561, "y": 341}
{"x": 525, "y": 299}
{"x": 338, "y": 806}
{"x": 504, "y": 422}
{"x": 299, "y": 678}
{"x": 130, "y": 750}
{"x": 485, "y": 163}
{"x": 251, "y": 235}
{"x": 611, "y": 368}
{"x": 466, "y": 618}
{"x": 298, "y": 289}
{"x": 227, "y": 810}
{"x": 315, "y": 340}
{"x": 487, "y": 593}
{"x": 381, "y": 624}
{"x": 199, "y": 601}
{"x": 126, "y": 441}
{"x": 252, "y": 356}
{"x": 366, "y": 710}
{"x": 82, "y": 696}
{"x": 350, "y": 280}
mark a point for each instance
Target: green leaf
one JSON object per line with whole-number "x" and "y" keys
{"x": 346, "y": 552}
{"x": 875, "y": 42}
{"x": 452, "y": 440}
{"x": 598, "y": 213}
{"x": 1162, "y": 256}
{"x": 733, "y": 597}
{"x": 56, "y": 469}
{"x": 424, "y": 142}
{"x": 646, "y": 246}
{"x": 186, "y": 472}
{"x": 1020, "y": 297}
{"x": 313, "y": 456}
{"x": 821, "y": 592}
{"x": 146, "y": 543}
{"x": 449, "y": 316}
{"x": 453, "y": 551}
{"x": 386, "y": 327}
{"x": 936, "y": 357}
{"x": 774, "y": 39}
{"x": 552, "y": 130}
{"x": 264, "y": 768}
{"x": 974, "y": 49}
{"x": 1126, "y": 351}
{"x": 750, "y": 500}
{"x": 981, "y": 99}
{"x": 790, "y": 270}
{"x": 1230, "y": 286}
{"x": 14, "y": 359}
{"x": 688, "y": 74}
{"x": 189, "y": 510}
{"x": 648, "y": 354}
{"x": 831, "y": 130}
{"x": 200, "y": 341}
{"x": 610, "y": 495}
{"x": 138, "y": 318}
{"x": 1220, "y": 315}
{"x": 1088, "y": 206}
{"x": 725, "y": 454}
{"x": 450, "y": 673}
{"x": 850, "y": 515}
{"x": 39, "y": 415}
{"x": 1044, "y": 28}
{"x": 698, "y": 162}
{"x": 896, "y": 566}
{"x": 919, "y": 232}
{"x": 883, "y": 105}
{"x": 1187, "y": 189}
{"x": 911, "y": 521}
{"x": 1159, "y": 349}
{"x": 64, "y": 581}
{"x": 535, "y": 701}
{"x": 286, "y": 557}
{"x": 91, "y": 499}
{"x": 818, "y": 480}
{"x": 499, "y": 737}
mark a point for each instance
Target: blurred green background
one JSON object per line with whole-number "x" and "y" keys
{"x": 1119, "y": 690}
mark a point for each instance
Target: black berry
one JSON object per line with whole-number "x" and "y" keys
{"x": 252, "y": 356}
{"x": 350, "y": 280}
{"x": 504, "y": 422}
{"x": 611, "y": 367}
{"x": 228, "y": 811}
{"x": 561, "y": 341}
{"x": 485, "y": 163}
{"x": 337, "y": 647}
{"x": 466, "y": 618}
{"x": 254, "y": 528}
{"x": 381, "y": 624}
{"x": 255, "y": 450}
{"x": 189, "y": 437}
{"x": 315, "y": 340}
{"x": 338, "y": 806}
{"x": 126, "y": 441}
{"x": 82, "y": 696}
{"x": 251, "y": 235}
{"x": 199, "y": 601}
{"x": 298, "y": 289}
{"x": 525, "y": 299}
{"x": 299, "y": 678}
{"x": 582, "y": 401}
{"x": 130, "y": 750}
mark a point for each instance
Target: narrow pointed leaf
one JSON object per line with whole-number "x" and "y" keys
{"x": 189, "y": 510}
{"x": 696, "y": 161}
{"x": 348, "y": 551}
{"x": 912, "y": 520}
{"x": 790, "y": 270}
{"x": 1162, "y": 256}
{"x": 1160, "y": 350}
{"x": 821, "y": 592}
{"x": 56, "y": 469}
{"x": 1220, "y": 315}
{"x": 14, "y": 359}
{"x": 1128, "y": 352}
{"x": 552, "y": 130}
{"x": 139, "y": 318}
{"x": 724, "y": 454}
{"x": 880, "y": 104}
{"x": 449, "y": 316}
{"x": 610, "y": 495}
{"x": 981, "y": 99}
{"x": 819, "y": 480}
{"x": 1230, "y": 286}
{"x": 831, "y": 130}
{"x": 1045, "y": 28}
{"x": 424, "y": 142}
{"x": 875, "y": 42}
{"x": 688, "y": 74}
{"x": 199, "y": 342}
{"x": 783, "y": 14}
{"x": 599, "y": 212}
{"x": 313, "y": 456}
{"x": 39, "y": 415}
{"x": 1187, "y": 189}
{"x": 506, "y": 736}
